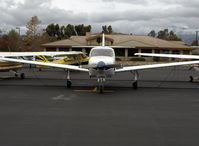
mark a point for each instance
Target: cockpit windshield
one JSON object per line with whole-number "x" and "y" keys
{"x": 102, "y": 52}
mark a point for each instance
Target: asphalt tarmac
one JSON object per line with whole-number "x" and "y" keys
{"x": 41, "y": 111}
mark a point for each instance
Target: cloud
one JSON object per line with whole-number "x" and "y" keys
{"x": 134, "y": 2}
{"x": 137, "y": 16}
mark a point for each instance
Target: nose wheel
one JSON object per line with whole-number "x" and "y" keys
{"x": 135, "y": 83}
{"x": 68, "y": 84}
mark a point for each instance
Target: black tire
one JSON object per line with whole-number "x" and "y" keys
{"x": 16, "y": 75}
{"x": 101, "y": 89}
{"x": 69, "y": 84}
{"x": 22, "y": 76}
{"x": 191, "y": 78}
{"x": 135, "y": 85}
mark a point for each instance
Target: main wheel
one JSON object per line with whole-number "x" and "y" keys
{"x": 135, "y": 85}
{"x": 16, "y": 75}
{"x": 22, "y": 76}
{"x": 69, "y": 84}
{"x": 191, "y": 78}
{"x": 101, "y": 89}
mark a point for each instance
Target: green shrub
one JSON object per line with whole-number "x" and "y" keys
{"x": 137, "y": 59}
{"x": 118, "y": 59}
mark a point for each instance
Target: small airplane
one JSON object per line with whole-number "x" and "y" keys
{"x": 102, "y": 65}
{"x": 177, "y": 56}
{"x": 56, "y": 57}
{"x": 74, "y": 58}
{"x": 13, "y": 67}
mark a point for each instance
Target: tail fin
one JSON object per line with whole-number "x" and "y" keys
{"x": 103, "y": 40}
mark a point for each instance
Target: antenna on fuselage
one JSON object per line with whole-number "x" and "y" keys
{"x": 103, "y": 40}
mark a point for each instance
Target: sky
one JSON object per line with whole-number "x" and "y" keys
{"x": 125, "y": 16}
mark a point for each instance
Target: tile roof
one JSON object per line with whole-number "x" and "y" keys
{"x": 130, "y": 41}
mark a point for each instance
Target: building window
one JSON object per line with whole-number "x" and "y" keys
{"x": 77, "y": 49}
{"x": 176, "y": 52}
{"x": 64, "y": 49}
{"x": 132, "y": 51}
{"x": 119, "y": 52}
{"x": 165, "y": 51}
{"x": 157, "y": 51}
{"x": 51, "y": 49}
{"x": 87, "y": 51}
{"x": 187, "y": 52}
{"x": 146, "y": 50}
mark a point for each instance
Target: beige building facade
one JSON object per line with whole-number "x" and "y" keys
{"x": 124, "y": 45}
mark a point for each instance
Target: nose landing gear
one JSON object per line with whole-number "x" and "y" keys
{"x": 101, "y": 84}
{"x": 135, "y": 83}
{"x": 68, "y": 81}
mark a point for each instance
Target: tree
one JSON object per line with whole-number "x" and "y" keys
{"x": 165, "y": 35}
{"x": 104, "y": 29}
{"x": 69, "y": 31}
{"x": 61, "y": 32}
{"x": 194, "y": 43}
{"x": 50, "y": 30}
{"x": 110, "y": 30}
{"x": 4, "y": 43}
{"x": 107, "y": 30}
{"x": 14, "y": 38}
{"x": 10, "y": 42}
{"x": 152, "y": 33}
{"x": 32, "y": 30}
{"x": 173, "y": 37}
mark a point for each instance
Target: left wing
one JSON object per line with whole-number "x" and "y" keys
{"x": 25, "y": 54}
{"x": 64, "y": 66}
{"x": 142, "y": 67}
{"x": 169, "y": 55}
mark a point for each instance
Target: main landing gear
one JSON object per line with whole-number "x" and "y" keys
{"x": 191, "y": 78}
{"x": 21, "y": 75}
{"x": 135, "y": 83}
{"x": 68, "y": 81}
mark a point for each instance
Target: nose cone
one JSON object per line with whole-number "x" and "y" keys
{"x": 101, "y": 65}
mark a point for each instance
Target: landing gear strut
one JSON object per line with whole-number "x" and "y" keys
{"x": 68, "y": 82}
{"x": 101, "y": 84}
{"x": 135, "y": 83}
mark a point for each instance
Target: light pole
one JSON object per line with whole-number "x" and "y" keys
{"x": 19, "y": 38}
{"x": 196, "y": 38}
{"x": 18, "y": 30}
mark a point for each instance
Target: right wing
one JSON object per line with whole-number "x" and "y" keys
{"x": 169, "y": 55}
{"x": 64, "y": 66}
{"x": 151, "y": 66}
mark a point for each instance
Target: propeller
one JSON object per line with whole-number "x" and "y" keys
{"x": 101, "y": 65}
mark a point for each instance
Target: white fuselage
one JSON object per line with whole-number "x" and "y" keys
{"x": 101, "y": 62}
